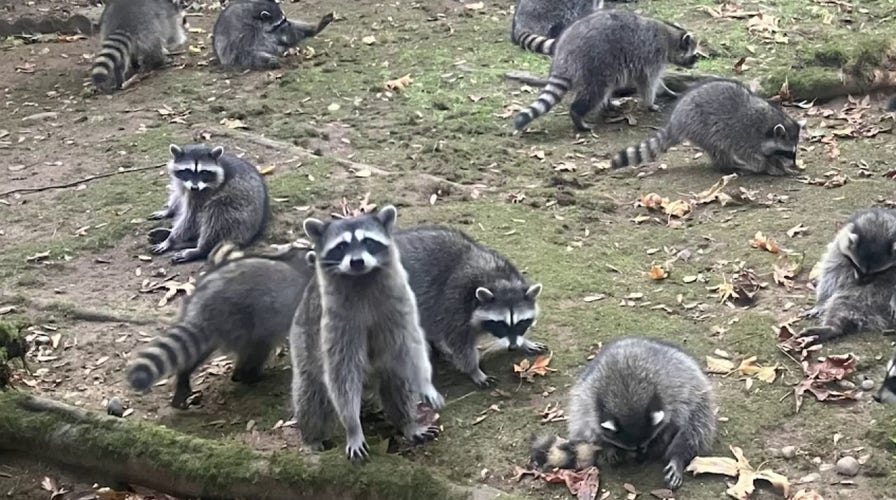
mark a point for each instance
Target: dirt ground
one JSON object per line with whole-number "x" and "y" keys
{"x": 443, "y": 151}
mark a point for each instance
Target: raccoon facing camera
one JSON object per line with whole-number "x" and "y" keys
{"x": 255, "y": 34}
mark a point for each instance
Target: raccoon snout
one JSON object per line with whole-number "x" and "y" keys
{"x": 194, "y": 188}
{"x": 356, "y": 264}
{"x": 690, "y": 61}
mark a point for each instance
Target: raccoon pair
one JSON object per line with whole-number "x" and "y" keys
{"x": 244, "y": 305}
{"x": 378, "y": 297}
{"x": 638, "y": 398}
{"x": 537, "y": 24}
{"x": 213, "y": 197}
{"x": 137, "y": 35}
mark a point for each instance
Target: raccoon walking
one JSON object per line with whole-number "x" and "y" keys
{"x": 463, "y": 289}
{"x": 213, "y": 197}
{"x": 739, "y": 130}
{"x": 639, "y": 396}
{"x": 606, "y": 51}
{"x": 358, "y": 316}
{"x": 136, "y": 36}
{"x": 256, "y": 33}
{"x": 243, "y": 305}
{"x": 887, "y": 392}
{"x": 857, "y": 287}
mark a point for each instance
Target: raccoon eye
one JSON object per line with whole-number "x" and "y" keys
{"x": 521, "y": 326}
{"x": 183, "y": 175}
{"x": 373, "y": 247}
{"x": 207, "y": 177}
{"x": 265, "y": 15}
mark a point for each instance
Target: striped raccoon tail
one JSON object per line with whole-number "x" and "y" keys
{"x": 648, "y": 150}
{"x": 226, "y": 251}
{"x": 550, "y": 95}
{"x": 112, "y": 62}
{"x": 536, "y": 43}
{"x": 554, "y": 452}
{"x": 178, "y": 349}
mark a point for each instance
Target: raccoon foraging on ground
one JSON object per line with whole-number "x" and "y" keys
{"x": 740, "y": 131}
{"x": 887, "y": 392}
{"x": 606, "y": 51}
{"x": 857, "y": 286}
{"x": 136, "y": 36}
{"x": 464, "y": 289}
{"x": 256, "y": 33}
{"x": 244, "y": 305}
{"x": 213, "y": 197}
{"x": 637, "y": 396}
{"x": 358, "y": 317}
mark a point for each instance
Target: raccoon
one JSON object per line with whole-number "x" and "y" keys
{"x": 857, "y": 287}
{"x": 537, "y": 23}
{"x": 740, "y": 131}
{"x": 637, "y": 396}
{"x": 887, "y": 392}
{"x": 462, "y": 289}
{"x": 606, "y": 51}
{"x": 136, "y": 36}
{"x": 358, "y": 317}
{"x": 212, "y": 197}
{"x": 256, "y": 33}
{"x": 244, "y": 305}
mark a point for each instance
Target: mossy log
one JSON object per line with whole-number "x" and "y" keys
{"x": 116, "y": 450}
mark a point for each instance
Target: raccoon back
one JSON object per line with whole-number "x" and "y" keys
{"x": 243, "y": 201}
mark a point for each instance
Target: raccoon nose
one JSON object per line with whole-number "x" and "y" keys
{"x": 194, "y": 188}
{"x": 876, "y": 398}
{"x": 356, "y": 264}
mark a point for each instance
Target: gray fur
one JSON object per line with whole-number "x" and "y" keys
{"x": 857, "y": 286}
{"x": 637, "y": 396}
{"x": 136, "y": 36}
{"x": 358, "y": 317}
{"x": 243, "y": 305}
{"x": 739, "y": 130}
{"x": 607, "y": 51}
{"x": 887, "y": 392}
{"x": 256, "y": 33}
{"x": 892, "y": 105}
{"x": 213, "y": 196}
{"x": 537, "y": 23}
{"x": 446, "y": 268}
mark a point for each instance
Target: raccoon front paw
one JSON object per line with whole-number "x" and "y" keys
{"x": 482, "y": 380}
{"x": 420, "y": 434}
{"x": 609, "y": 456}
{"x": 161, "y": 247}
{"x": 815, "y": 312}
{"x": 653, "y": 107}
{"x": 158, "y": 215}
{"x": 672, "y": 476}
{"x": 532, "y": 348}
{"x": 187, "y": 255}
{"x": 158, "y": 235}
{"x": 432, "y": 398}
{"x": 356, "y": 450}
{"x": 315, "y": 446}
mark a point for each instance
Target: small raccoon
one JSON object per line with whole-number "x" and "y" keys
{"x": 212, "y": 197}
{"x": 462, "y": 289}
{"x": 243, "y": 305}
{"x": 358, "y": 318}
{"x": 607, "y": 51}
{"x": 136, "y": 36}
{"x": 256, "y": 33}
{"x": 857, "y": 287}
{"x": 887, "y": 392}
{"x": 537, "y": 23}
{"x": 637, "y": 396}
{"x": 739, "y": 130}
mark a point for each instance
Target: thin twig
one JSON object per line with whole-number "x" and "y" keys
{"x": 81, "y": 181}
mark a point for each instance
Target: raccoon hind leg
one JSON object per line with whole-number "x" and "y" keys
{"x": 312, "y": 410}
{"x": 465, "y": 357}
{"x": 648, "y": 89}
{"x": 249, "y": 365}
{"x": 183, "y": 389}
{"x": 593, "y": 99}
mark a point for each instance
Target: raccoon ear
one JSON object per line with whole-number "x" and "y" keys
{"x": 686, "y": 40}
{"x": 802, "y": 123}
{"x": 311, "y": 258}
{"x": 387, "y": 216}
{"x": 314, "y": 228}
{"x": 657, "y": 417}
{"x": 533, "y": 291}
{"x": 779, "y": 131}
{"x": 609, "y": 425}
{"x": 217, "y": 152}
{"x": 853, "y": 239}
{"x": 484, "y": 295}
{"x": 175, "y": 150}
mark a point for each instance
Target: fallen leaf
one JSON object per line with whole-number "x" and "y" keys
{"x": 474, "y": 6}
{"x": 764, "y": 243}
{"x": 267, "y": 170}
{"x": 584, "y": 484}
{"x": 719, "y": 366}
{"x": 714, "y": 193}
{"x": 657, "y": 273}
{"x": 233, "y": 124}
{"x": 368, "y": 40}
{"x": 741, "y": 469}
{"x": 528, "y": 371}
{"x": 749, "y": 368}
{"x": 795, "y": 230}
{"x": 399, "y": 84}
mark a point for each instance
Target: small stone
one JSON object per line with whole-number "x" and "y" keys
{"x": 809, "y": 478}
{"x": 114, "y": 408}
{"x": 867, "y": 384}
{"x": 788, "y": 451}
{"x": 847, "y": 466}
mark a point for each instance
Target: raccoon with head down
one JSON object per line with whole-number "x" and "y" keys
{"x": 607, "y": 51}
{"x": 537, "y": 23}
{"x": 256, "y": 33}
{"x": 739, "y": 130}
{"x": 637, "y": 396}
{"x": 887, "y": 392}
{"x": 857, "y": 287}
{"x": 244, "y": 304}
{"x": 464, "y": 289}
{"x": 136, "y": 36}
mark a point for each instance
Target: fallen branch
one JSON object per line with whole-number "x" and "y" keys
{"x": 75, "y": 312}
{"x": 110, "y": 449}
{"x": 81, "y": 181}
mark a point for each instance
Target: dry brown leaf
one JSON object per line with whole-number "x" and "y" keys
{"x": 714, "y": 193}
{"x": 762, "y": 242}
{"x": 583, "y": 484}
{"x": 528, "y": 371}
{"x": 399, "y": 84}
{"x": 657, "y": 273}
{"x": 719, "y": 366}
{"x": 233, "y": 123}
{"x": 750, "y": 368}
{"x": 740, "y": 468}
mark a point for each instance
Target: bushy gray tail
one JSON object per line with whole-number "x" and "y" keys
{"x": 536, "y": 43}
{"x": 180, "y": 348}
{"x": 112, "y": 62}
{"x": 550, "y": 95}
{"x": 648, "y": 150}
{"x": 552, "y": 451}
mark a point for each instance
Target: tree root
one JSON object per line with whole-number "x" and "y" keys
{"x": 75, "y": 312}
{"x": 81, "y": 181}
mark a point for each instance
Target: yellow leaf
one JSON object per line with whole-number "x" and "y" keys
{"x": 740, "y": 468}
{"x": 718, "y": 365}
{"x": 657, "y": 273}
{"x": 677, "y": 208}
{"x": 761, "y": 242}
{"x": 267, "y": 170}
